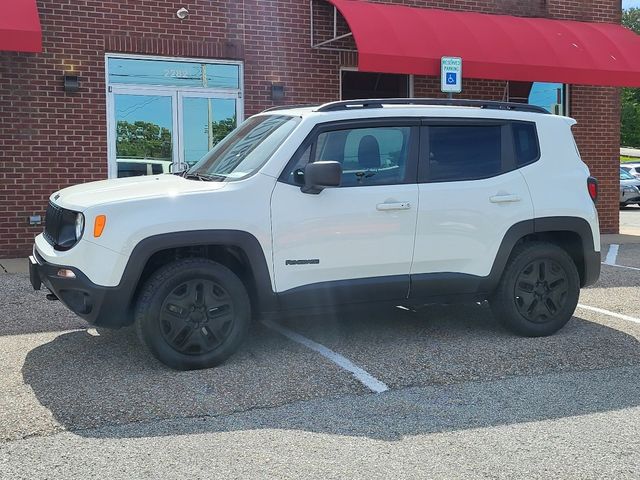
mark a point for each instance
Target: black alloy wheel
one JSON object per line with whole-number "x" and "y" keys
{"x": 541, "y": 290}
{"x": 193, "y": 313}
{"x": 196, "y": 317}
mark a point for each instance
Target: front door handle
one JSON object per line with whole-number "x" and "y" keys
{"x": 504, "y": 199}
{"x": 385, "y": 207}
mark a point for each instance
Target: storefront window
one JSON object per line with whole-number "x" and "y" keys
{"x": 551, "y": 96}
{"x": 173, "y": 73}
{"x": 166, "y": 114}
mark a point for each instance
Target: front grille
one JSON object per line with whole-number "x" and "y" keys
{"x": 59, "y": 227}
{"x": 53, "y": 223}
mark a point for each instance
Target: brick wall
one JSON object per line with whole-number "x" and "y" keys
{"x": 50, "y": 139}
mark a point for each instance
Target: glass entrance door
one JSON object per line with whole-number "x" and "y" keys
{"x": 144, "y": 123}
{"x": 164, "y": 114}
{"x": 204, "y": 119}
{"x": 166, "y": 130}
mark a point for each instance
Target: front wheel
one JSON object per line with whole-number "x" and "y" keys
{"x": 193, "y": 313}
{"x": 539, "y": 290}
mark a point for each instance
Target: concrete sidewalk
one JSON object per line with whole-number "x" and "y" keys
{"x": 630, "y": 152}
{"x": 14, "y": 265}
{"x": 628, "y": 236}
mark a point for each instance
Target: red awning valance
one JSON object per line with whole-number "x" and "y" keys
{"x": 20, "y": 26}
{"x": 398, "y": 39}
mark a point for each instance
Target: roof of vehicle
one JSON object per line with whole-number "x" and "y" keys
{"x": 417, "y": 107}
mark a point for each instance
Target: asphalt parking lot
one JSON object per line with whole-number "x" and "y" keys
{"x": 463, "y": 399}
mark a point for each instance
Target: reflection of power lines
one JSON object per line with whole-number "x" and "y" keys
{"x": 162, "y": 79}
{"x": 134, "y": 108}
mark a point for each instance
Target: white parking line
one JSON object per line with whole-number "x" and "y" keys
{"x": 622, "y": 266}
{"x": 612, "y": 254}
{"x": 362, "y": 376}
{"x": 611, "y": 314}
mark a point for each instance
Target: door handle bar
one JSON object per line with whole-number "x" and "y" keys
{"x": 385, "y": 207}
{"x": 504, "y": 199}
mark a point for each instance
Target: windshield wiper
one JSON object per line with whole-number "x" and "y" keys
{"x": 205, "y": 177}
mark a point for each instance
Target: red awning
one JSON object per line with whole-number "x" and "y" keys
{"x": 399, "y": 39}
{"x": 20, "y": 26}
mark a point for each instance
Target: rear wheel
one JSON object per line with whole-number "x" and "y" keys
{"x": 193, "y": 313}
{"x": 539, "y": 290}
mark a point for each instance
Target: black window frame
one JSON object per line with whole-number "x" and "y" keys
{"x": 411, "y": 170}
{"x": 508, "y": 147}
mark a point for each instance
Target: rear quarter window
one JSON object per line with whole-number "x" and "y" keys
{"x": 525, "y": 142}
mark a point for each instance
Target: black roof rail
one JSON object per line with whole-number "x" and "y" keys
{"x": 287, "y": 107}
{"x": 381, "y": 102}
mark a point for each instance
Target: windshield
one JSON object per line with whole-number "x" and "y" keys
{"x": 625, "y": 176}
{"x": 245, "y": 149}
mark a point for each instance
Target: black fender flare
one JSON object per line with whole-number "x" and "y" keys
{"x": 520, "y": 230}
{"x": 248, "y": 243}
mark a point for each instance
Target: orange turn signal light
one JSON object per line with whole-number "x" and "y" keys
{"x": 98, "y": 226}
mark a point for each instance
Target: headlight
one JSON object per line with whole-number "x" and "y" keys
{"x": 79, "y": 226}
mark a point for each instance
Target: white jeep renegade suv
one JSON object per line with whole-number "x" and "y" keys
{"x": 403, "y": 201}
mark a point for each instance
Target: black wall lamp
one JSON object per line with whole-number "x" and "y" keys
{"x": 277, "y": 92}
{"x": 71, "y": 83}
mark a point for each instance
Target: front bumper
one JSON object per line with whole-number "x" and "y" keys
{"x": 98, "y": 305}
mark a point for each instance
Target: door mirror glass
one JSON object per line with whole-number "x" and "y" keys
{"x": 321, "y": 175}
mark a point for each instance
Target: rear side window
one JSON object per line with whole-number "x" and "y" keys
{"x": 464, "y": 152}
{"x": 525, "y": 140}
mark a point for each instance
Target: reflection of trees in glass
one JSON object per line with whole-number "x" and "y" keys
{"x": 142, "y": 140}
{"x": 630, "y": 131}
{"x": 221, "y": 129}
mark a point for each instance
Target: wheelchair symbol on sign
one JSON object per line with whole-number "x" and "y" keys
{"x": 452, "y": 78}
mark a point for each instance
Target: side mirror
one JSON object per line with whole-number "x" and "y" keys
{"x": 321, "y": 175}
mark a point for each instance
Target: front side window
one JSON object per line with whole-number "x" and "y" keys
{"x": 246, "y": 149}
{"x": 464, "y": 152}
{"x": 369, "y": 156}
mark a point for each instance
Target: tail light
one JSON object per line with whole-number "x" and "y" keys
{"x": 592, "y": 186}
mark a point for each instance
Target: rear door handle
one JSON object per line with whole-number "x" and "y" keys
{"x": 384, "y": 207}
{"x": 504, "y": 199}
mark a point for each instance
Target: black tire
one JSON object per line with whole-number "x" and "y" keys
{"x": 538, "y": 292}
{"x": 193, "y": 313}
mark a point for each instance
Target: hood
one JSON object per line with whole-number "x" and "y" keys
{"x": 83, "y": 196}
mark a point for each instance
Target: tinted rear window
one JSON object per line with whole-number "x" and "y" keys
{"x": 525, "y": 140}
{"x": 464, "y": 152}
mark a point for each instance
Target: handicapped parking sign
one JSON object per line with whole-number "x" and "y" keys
{"x": 451, "y": 73}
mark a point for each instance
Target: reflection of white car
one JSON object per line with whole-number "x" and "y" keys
{"x": 136, "y": 167}
{"x": 629, "y": 189}
{"x": 632, "y": 168}
{"x": 403, "y": 201}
